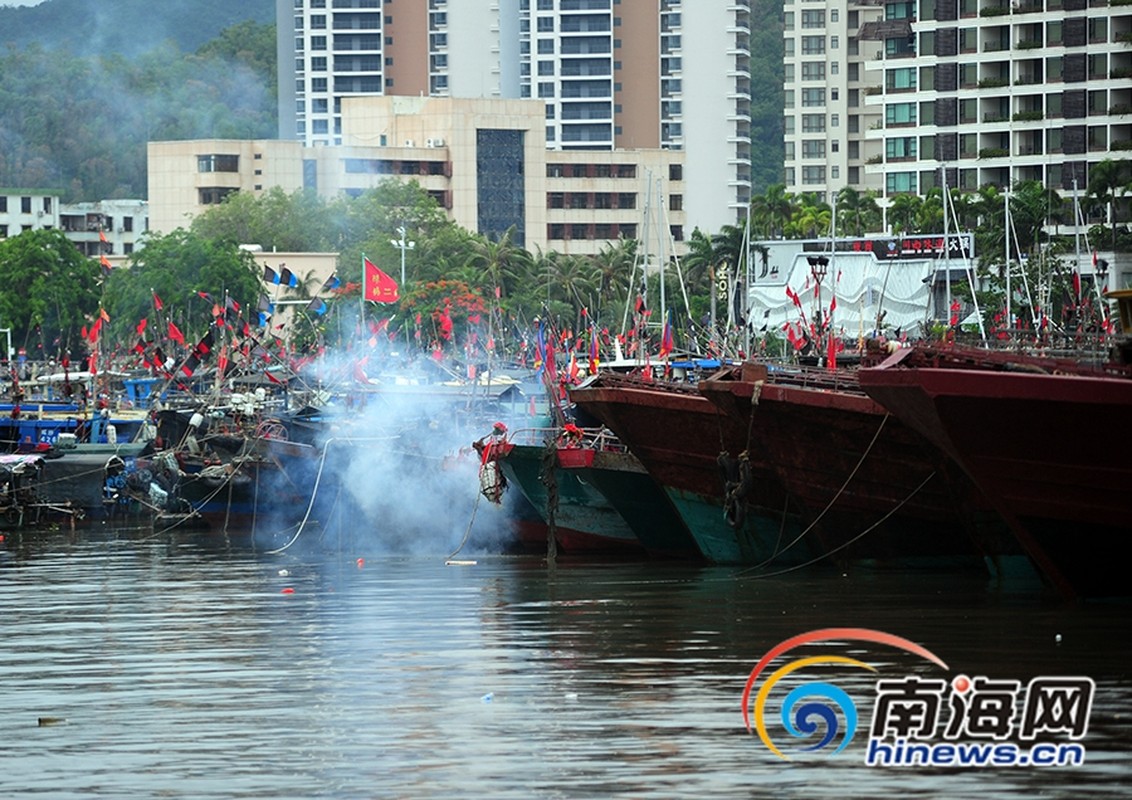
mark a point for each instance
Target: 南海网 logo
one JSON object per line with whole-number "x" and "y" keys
{"x": 916, "y": 719}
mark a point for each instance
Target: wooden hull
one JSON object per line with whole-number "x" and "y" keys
{"x": 584, "y": 520}
{"x": 679, "y": 436}
{"x": 1049, "y": 450}
{"x": 873, "y": 488}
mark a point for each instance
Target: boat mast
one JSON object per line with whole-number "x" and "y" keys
{"x": 1006, "y": 257}
{"x": 946, "y": 250}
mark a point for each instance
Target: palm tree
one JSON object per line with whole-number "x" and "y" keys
{"x": 814, "y": 219}
{"x": 902, "y": 212}
{"x": 771, "y": 211}
{"x": 857, "y": 212}
{"x": 1108, "y": 180}
{"x": 613, "y": 266}
{"x": 497, "y": 261}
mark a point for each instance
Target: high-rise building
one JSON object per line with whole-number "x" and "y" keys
{"x": 885, "y": 94}
{"x": 644, "y": 74}
{"x": 827, "y": 74}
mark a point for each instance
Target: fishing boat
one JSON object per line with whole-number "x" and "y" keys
{"x": 869, "y": 487}
{"x": 545, "y": 468}
{"x": 727, "y": 495}
{"x": 600, "y": 460}
{"x": 1045, "y": 439}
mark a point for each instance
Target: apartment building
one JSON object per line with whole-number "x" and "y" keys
{"x": 108, "y": 227}
{"x": 828, "y": 72}
{"x": 995, "y": 91}
{"x": 611, "y": 75}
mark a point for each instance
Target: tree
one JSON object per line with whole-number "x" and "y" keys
{"x": 771, "y": 211}
{"x": 613, "y": 266}
{"x": 177, "y": 267}
{"x": 903, "y": 212}
{"x": 857, "y": 212}
{"x": 49, "y": 287}
{"x": 812, "y": 219}
{"x": 498, "y": 262}
{"x": 277, "y": 221}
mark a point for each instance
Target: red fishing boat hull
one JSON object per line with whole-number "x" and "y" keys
{"x": 874, "y": 488}
{"x": 1049, "y": 449}
{"x": 679, "y": 437}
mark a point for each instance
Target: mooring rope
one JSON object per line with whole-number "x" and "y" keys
{"x": 835, "y": 497}
{"x": 843, "y": 545}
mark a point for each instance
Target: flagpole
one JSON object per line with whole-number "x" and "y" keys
{"x": 362, "y": 299}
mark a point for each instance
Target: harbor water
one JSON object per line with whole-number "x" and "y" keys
{"x": 135, "y": 664}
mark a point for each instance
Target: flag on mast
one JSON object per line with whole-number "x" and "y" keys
{"x": 376, "y": 285}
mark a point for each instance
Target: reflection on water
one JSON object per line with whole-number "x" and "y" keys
{"x": 181, "y": 668}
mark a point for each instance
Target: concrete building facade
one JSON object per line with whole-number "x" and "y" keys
{"x": 484, "y": 161}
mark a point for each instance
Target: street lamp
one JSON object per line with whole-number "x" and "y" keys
{"x": 818, "y": 267}
{"x": 403, "y": 246}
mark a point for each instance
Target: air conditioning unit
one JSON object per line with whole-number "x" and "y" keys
{"x": 438, "y": 142}
{"x": 430, "y": 142}
{"x": 410, "y": 143}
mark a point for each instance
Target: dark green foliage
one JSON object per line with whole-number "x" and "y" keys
{"x": 130, "y": 27}
{"x": 51, "y": 291}
{"x": 176, "y": 267}
{"x": 81, "y": 123}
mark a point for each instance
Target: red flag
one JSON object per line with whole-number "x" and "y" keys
{"x": 157, "y": 304}
{"x": 175, "y": 334}
{"x": 272, "y": 378}
{"x": 666, "y": 339}
{"x": 105, "y": 263}
{"x": 379, "y": 287}
{"x": 102, "y": 236}
{"x": 141, "y": 326}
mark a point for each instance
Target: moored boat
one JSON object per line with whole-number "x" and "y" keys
{"x": 1044, "y": 438}
{"x": 729, "y": 498}
{"x": 584, "y": 520}
{"x": 869, "y": 487}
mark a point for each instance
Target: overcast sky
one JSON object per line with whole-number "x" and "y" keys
{"x": 20, "y": 2}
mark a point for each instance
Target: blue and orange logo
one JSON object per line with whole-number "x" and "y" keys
{"x": 816, "y": 709}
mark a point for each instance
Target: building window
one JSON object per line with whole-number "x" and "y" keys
{"x": 25, "y": 205}
{"x": 897, "y": 182}
{"x": 213, "y": 195}
{"x": 218, "y": 163}
{"x": 500, "y": 183}
{"x": 813, "y": 149}
{"x": 813, "y": 19}
{"x": 318, "y": 43}
{"x": 813, "y": 71}
{"x": 813, "y": 175}
{"x": 813, "y": 97}
{"x": 813, "y": 45}
{"x": 813, "y": 123}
